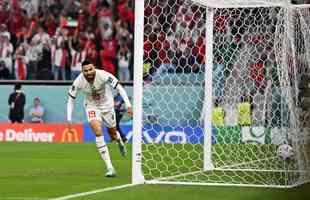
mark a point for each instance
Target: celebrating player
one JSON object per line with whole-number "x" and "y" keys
{"x": 99, "y": 105}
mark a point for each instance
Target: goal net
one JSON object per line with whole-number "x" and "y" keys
{"x": 222, "y": 86}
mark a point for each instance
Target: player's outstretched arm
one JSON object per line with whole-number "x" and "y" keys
{"x": 123, "y": 93}
{"x": 72, "y": 93}
{"x": 70, "y": 107}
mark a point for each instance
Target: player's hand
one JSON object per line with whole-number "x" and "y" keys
{"x": 70, "y": 129}
{"x": 129, "y": 111}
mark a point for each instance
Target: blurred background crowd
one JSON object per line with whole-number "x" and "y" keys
{"x": 48, "y": 39}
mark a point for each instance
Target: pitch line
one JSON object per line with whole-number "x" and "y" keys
{"x": 23, "y": 198}
{"x": 94, "y": 192}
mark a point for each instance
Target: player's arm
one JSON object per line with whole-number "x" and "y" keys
{"x": 115, "y": 84}
{"x": 10, "y": 100}
{"x": 123, "y": 93}
{"x": 71, "y": 101}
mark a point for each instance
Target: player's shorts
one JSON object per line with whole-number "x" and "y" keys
{"x": 95, "y": 113}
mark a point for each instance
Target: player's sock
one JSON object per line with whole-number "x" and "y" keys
{"x": 104, "y": 152}
{"x": 123, "y": 136}
{"x": 124, "y": 139}
{"x": 119, "y": 139}
{"x": 121, "y": 145}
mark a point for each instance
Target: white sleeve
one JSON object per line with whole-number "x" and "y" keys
{"x": 71, "y": 100}
{"x": 110, "y": 79}
{"x": 70, "y": 107}
{"x": 123, "y": 93}
{"x": 73, "y": 90}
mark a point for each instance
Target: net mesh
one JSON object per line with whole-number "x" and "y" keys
{"x": 260, "y": 59}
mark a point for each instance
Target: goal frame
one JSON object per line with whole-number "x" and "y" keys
{"x": 137, "y": 174}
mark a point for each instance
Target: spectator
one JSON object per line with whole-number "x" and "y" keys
{"x": 244, "y": 111}
{"x": 32, "y": 54}
{"x": 17, "y": 102}
{"x": 218, "y": 114}
{"x": 125, "y": 10}
{"x": 105, "y": 23}
{"x": 122, "y": 32}
{"x": 108, "y": 55}
{"x": 61, "y": 57}
{"x": 56, "y": 7}
{"x": 6, "y": 50}
{"x": 78, "y": 55}
{"x": 4, "y": 30}
{"x": 91, "y": 51}
{"x": 123, "y": 64}
{"x": 21, "y": 37}
{"x": 29, "y": 7}
{"x": 4, "y": 71}
{"x": 51, "y": 25}
{"x": 41, "y": 37}
{"x": 36, "y": 113}
{"x": 17, "y": 20}
{"x": 44, "y": 69}
{"x": 20, "y": 64}
{"x": 4, "y": 12}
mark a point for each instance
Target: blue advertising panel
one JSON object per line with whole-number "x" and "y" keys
{"x": 155, "y": 133}
{"x": 89, "y": 136}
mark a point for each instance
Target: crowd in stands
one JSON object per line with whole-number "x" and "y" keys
{"x": 48, "y": 39}
{"x": 174, "y": 36}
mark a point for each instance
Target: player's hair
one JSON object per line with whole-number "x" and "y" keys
{"x": 86, "y": 62}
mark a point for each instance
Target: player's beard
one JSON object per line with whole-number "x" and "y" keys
{"x": 90, "y": 78}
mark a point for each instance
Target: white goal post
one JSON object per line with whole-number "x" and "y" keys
{"x": 217, "y": 89}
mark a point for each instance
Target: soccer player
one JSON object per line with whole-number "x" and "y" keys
{"x": 99, "y": 105}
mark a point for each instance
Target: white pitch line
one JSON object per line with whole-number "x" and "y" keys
{"x": 94, "y": 192}
{"x": 23, "y": 198}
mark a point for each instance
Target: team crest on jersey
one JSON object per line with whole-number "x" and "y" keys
{"x": 110, "y": 80}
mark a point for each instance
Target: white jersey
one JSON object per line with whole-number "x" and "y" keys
{"x": 99, "y": 93}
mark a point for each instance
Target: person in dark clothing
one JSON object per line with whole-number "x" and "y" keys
{"x": 44, "y": 66}
{"x": 4, "y": 71}
{"x": 17, "y": 102}
{"x": 119, "y": 112}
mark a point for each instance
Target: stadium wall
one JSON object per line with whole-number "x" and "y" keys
{"x": 53, "y": 99}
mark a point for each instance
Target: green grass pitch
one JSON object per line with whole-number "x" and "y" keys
{"x": 44, "y": 171}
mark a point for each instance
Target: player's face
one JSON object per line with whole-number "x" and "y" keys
{"x": 89, "y": 72}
